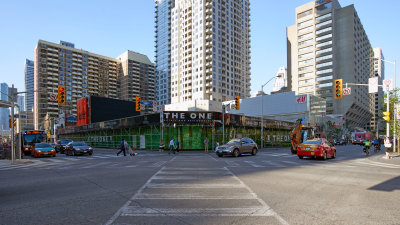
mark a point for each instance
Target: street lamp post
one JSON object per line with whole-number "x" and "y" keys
{"x": 394, "y": 109}
{"x": 262, "y": 111}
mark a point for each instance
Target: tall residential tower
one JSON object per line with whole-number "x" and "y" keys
{"x": 210, "y": 52}
{"x": 329, "y": 42}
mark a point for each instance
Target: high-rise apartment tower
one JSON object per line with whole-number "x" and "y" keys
{"x": 210, "y": 50}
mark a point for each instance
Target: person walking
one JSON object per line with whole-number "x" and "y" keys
{"x": 206, "y": 145}
{"x": 171, "y": 146}
{"x": 387, "y": 145}
{"x": 122, "y": 147}
{"x": 177, "y": 145}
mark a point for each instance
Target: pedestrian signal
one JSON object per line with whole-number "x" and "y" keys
{"x": 61, "y": 95}
{"x": 237, "y": 102}
{"x": 386, "y": 116}
{"x": 338, "y": 89}
{"x": 138, "y": 103}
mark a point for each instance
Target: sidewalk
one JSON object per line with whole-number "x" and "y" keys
{"x": 381, "y": 157}
{"x": 7, "y": 162}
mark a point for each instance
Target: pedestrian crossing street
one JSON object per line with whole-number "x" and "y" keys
{"x": 263, "y": 160}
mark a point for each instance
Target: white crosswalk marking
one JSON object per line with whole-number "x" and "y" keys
{"x": 188, "y": 190}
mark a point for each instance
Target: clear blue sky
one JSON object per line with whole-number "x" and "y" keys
{"x": 111, "y": 27}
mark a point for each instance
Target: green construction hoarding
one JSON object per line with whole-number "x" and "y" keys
{"x": 190, "y": 128}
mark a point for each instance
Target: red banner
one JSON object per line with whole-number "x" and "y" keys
{"x": 82, "y": 112}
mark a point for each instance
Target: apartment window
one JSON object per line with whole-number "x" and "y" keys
{"x": 324, "y": 30}
{"x": 306, "y": 29}
{"x": 306, "y": 75}
{"x": 307, "y": 88}
{"x": 323, "y": 17}
{"x": 306, "y": 49}
{"x": 323, "y": 51}
{"x": 324, "y": 64}
{"x": 324, "y": 44}
{"x": 303, "y": 14}
{"x": 305, "y": 23}
{"x": 324, "y": 78}
{"x": 305, "y": 55}
{"x": 310, "y": 41}
{"x": 304, "y": 36}
{"x": 306, "y": 61}
{"x": 324, "y": 85}
{"x": 324, "y": 71}
{"x": 306, "y": 68}
{"x": 323, "y": 57}
{"x": 324, "y": 37}
{"x": 308, "y": 81}
{"x": 323, "y": 23}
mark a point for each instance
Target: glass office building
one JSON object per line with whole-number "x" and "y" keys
{"x": 163, "y": 50}
{"x": 29, "y": 77}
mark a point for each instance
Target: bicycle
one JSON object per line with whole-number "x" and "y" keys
{"x": 366, "y": 150}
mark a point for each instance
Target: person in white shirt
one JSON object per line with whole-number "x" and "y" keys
{"x": 387, "y": 145}
{"x": 171, "y": 146}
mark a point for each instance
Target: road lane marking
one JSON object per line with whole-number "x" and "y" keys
{"x": 266, "y": 207}
{"x": 96, "y": 164}
{"x": 273, "y": 163}
{"x": 253, "y": 164}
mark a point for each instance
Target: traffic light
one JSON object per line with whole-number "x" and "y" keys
{"x": 386, "y": 116}
{"x": 61, "y": 95}
{"x": 338, "y": 89}
{"x": 237, "y": 102}
{"x": 137, "y": 103}
{"x": 11, "y": 124}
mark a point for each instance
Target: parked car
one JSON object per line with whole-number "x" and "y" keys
{"x": 78, "y": 148}
{"x": 316, "y": 148}
{"x": 60, "y": 146}
{"x": 43, "y": 149}
{"x": 340, "y": 142}
{"x": 236, "y": 147}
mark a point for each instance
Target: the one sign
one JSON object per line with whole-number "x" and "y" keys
{"x": 301, "y": 99}
{"x": 189, "y": 117}
{"x": 373, "y": 85}
{"x": 346, "y": 91}
{"x": 387, "y": 85}
{"x": 53, "y": 97}
{"x": 146, "y": 103}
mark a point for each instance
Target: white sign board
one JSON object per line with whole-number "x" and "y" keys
{"x": 387, "y": 85}
{"x": 373, "y": 85}
{"x": 301, "y": 99}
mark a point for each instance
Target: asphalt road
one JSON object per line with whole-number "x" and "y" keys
{"x": 273, "y": 187}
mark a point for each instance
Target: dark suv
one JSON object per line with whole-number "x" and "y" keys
{"x": 60, "y": 146}
{"x": 237, "y": 146}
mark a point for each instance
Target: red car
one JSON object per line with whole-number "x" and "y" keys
{"x": 43, "y": 149}
{"x": 316, "y": 148}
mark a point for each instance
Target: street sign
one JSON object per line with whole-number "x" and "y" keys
{"x": 372, "y": 85}
{"x": 387, "y": 85}
{"x": 142, "y": 106}
{"x": 346, "y": 91}
{"x": 146, "y": 103}
{"x": 53, "y": 97}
